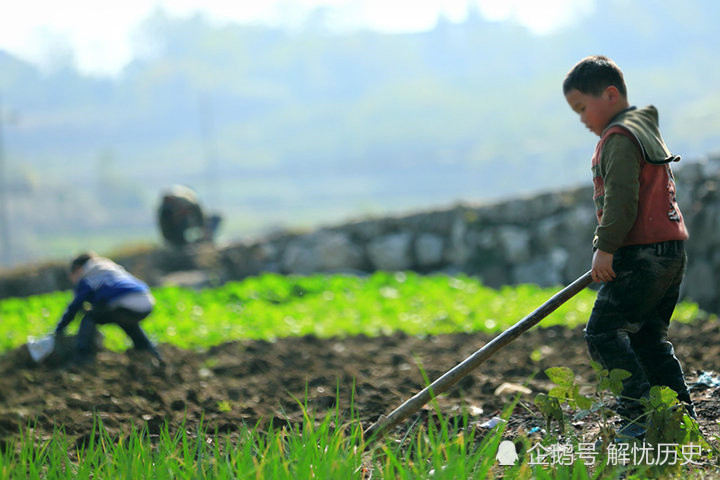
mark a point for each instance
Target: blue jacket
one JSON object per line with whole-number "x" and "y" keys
{"x": 101, "y": 282}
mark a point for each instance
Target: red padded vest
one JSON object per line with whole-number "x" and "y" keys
{"x": 658, "y": 218}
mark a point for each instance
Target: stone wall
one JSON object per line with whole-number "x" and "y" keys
{"x": 543, "y": 239}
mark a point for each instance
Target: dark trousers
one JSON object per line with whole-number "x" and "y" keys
{"x": 126, "y": 319}
{"x": 629, "y": 323}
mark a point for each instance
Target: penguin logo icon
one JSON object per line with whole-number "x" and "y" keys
{"x": 506, "y": 455}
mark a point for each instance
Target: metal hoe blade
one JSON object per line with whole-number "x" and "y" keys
{"x": 451, "y": 377}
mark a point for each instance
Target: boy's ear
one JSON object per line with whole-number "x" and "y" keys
{"x": 613, "y": 94}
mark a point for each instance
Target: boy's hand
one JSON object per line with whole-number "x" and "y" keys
{"x": 602, "y": 270}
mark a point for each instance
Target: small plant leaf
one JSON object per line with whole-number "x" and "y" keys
{"x": 617, "y": 375}
{"x": 604, "y": 384}
{"x": 559, "y": 393}
{"x": 583, "y": 402}
{"x": 550, "y": 408}
{"x": 561, "y": 376}
{"x": 662, "y": 396}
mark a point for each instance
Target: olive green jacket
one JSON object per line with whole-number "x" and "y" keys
{"x": 634, "y": 185}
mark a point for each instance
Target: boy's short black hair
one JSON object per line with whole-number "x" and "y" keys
{"x": 80, "y": 260}
{"x": 593, "y": 74}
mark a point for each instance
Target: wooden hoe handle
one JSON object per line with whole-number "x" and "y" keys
{"x": 451, "y": 377}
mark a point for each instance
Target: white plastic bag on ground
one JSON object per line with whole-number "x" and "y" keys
{"x": 41, "y": 348}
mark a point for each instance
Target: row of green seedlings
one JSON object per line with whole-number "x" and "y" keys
{"x": 448, "y": 450}
{"x": 336, "y": 447}
{"x": 673, "y": 441}
{"x": 329, "y": 448}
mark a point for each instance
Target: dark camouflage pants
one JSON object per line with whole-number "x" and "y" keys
{"x": 629, "y": 322}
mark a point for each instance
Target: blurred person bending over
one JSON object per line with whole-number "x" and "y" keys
{"x": 115, "y": 296}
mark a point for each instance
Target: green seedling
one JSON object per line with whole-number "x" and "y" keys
{"x": 566, "y": 391}
{"x": 608, "y": 385}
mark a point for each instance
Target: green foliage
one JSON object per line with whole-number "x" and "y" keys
{"x": 332, "y": 447}
{"x": 565, "y": 391}
{"x": 612, "y": 380}
{"x": 668, "y": 421}
{"x": 551, "y": 408}
{"x": 271, "y": 306}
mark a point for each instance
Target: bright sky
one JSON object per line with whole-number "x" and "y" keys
{"x": 99, "y": 32}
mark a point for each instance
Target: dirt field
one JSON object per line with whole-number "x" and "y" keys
{"x": 240, "y": 383}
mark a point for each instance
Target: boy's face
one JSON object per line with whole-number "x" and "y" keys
{"x": 595, "y": 111}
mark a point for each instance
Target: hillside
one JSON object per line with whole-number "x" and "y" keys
{"x": 299, "y": 128}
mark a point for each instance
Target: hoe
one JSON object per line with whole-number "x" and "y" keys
{"x": 452, "y": 376}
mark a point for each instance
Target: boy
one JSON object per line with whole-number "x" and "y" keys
{"x": 115, "y": 296}
{"x": 639, "y": 241}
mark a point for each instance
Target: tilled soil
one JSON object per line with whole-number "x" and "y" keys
{"x": 243, "y": 384}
